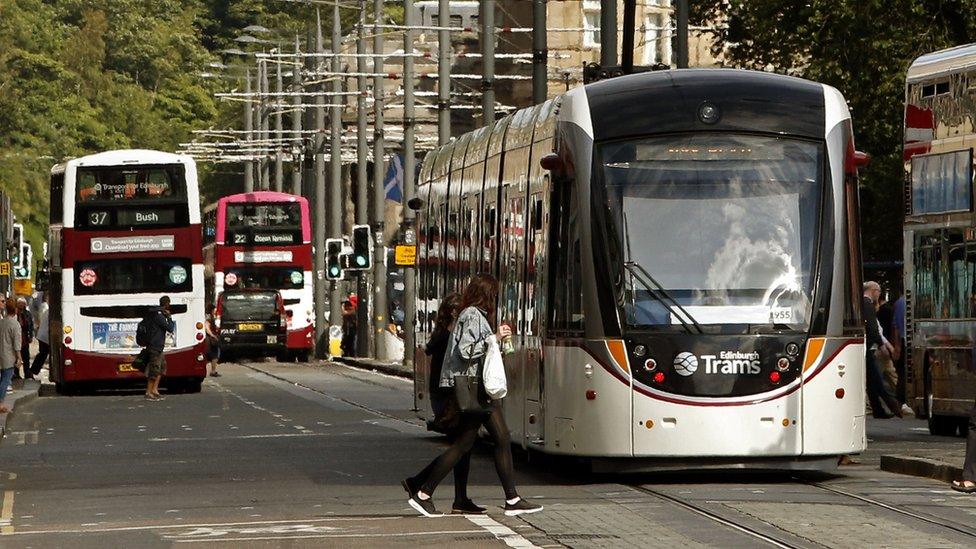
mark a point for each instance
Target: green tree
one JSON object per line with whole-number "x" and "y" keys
{"x": 861, "y": 47}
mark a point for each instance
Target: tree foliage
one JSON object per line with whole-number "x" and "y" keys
{"x": 82, "y": 76}
{"x": 861, "y": 47}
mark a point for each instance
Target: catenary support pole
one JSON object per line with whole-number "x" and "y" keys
{"x": 627, "y": 44}
{"x": 279, "y": 171}
{"x": 248, "y": 128}
{"x": 321, "y": 321}
{"x": 487, "y": 17}
{"x": 335, "y": 170}
{"x": 379, "y": 194}
{"x": 443, "y": 73}
{"x": 364, "y": 333}
{"x": 608, "y": 33}
{"x": 540, "y": 53}
{"x": 682, "y": 34}
{"x": 409, "y": 172}
{"x": 297, "y": 155}
{"x": 265, "y": 164}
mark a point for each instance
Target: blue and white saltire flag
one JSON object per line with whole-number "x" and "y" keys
{"x": 393, "y": 182}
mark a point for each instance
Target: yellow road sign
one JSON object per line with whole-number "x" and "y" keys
{"x": 4, "y": 268}
{"x": 405, "y": 256}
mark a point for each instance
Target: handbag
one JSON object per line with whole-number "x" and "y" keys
{"x": 470, "y": 393}
{"x": 496, "y": 384}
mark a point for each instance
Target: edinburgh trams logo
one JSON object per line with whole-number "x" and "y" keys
{"x": 685, "y": 364}
{"x": 726, "y": 362}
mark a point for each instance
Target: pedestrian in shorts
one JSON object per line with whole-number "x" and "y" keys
{"x": 213, "y": 345}
{"x": 161, "y": 323}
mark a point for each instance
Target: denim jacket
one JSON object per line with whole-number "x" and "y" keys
{"x": 468, "y": 341}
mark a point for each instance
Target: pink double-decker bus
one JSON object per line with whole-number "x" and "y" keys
{"x": 263, "y": 240}
{"x": 124, "y": 231}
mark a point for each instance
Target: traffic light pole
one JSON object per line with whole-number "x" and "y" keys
{"x": 321, "y": 332}
{"x": 379, "y": 192}
{"x": 364, "y": 334}
{"x": 335, "y": 170}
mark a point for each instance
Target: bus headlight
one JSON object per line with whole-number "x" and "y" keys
{"x": 67, "y": 329}
{"x": 68, "y": 362}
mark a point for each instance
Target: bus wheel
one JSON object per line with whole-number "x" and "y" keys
{"x": 65, "y": 389}
{"x": 192, "y": 385}
{"x": 943, "y": 426}
{"x": 304, "y": 356}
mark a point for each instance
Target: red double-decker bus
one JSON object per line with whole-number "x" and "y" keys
{"x": 264, "y": 240}
{"x": 124, "y": 231}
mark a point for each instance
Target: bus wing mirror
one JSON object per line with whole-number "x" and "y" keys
{"x": 551, "y": 162}
{"x": 861, "y": 159}
{"x": 415, "y": 204}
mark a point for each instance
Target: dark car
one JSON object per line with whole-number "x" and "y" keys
{"x": 251, "y": 322}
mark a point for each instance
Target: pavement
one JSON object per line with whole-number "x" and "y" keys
{"x": 302, "y": 455}
{"x": 21, "y": 391}
{"x": 389, "y": 368}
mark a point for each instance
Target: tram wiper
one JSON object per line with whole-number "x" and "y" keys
{"x": 662, "y": 296}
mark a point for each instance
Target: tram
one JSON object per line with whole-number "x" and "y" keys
{"x": 679, "y": 258}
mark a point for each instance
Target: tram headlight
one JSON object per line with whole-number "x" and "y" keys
{"x": 783, "y": 364}
{"x": 640, "y": 350}
{"x": 709, "y": 113}
{"x": 792, "y": 350}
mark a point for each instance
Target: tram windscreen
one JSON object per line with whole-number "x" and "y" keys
{"x": 727, "y": 225}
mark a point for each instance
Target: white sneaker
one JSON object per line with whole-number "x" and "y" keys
{"x": 907, "y": 410}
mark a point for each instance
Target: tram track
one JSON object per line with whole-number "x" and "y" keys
{"x": 958, "y": 528}
{"x": 717, "y": 518}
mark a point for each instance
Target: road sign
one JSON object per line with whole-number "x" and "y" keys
{"x": 4, "y": 268}
{"x": 405, "y": 255}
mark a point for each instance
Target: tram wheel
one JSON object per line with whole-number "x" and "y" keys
{"x": 943, "y": 426}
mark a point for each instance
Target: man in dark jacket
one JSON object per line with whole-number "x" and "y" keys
{"x": 160, "y": 323}
{"x": 877, "y": 392}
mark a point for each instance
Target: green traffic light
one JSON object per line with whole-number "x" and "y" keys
{"x": 360, "y": 260}
{"x": 334, "y": 271}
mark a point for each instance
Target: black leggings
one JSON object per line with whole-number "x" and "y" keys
{"x": 461, "y": 449}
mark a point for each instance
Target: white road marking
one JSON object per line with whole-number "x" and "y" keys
{"x": 501, "y": 532}
{"x": 7, "y": 512}
{"x": 203, "y": 525}
{"x": 239, "y": 437}
{"x": 378, "y": 373}
{"x": 328, "y": 536}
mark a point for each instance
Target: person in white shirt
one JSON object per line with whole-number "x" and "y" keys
{"x": 43, "y": 337}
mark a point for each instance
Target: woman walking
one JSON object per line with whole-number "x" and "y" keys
{"x": 468, "y": 343}
{"x": 445, "y": 409}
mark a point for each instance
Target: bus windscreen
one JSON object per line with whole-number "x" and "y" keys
{"x": 264, "y": 224}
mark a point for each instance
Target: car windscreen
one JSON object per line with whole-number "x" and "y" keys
{"x": 250, "y": 306}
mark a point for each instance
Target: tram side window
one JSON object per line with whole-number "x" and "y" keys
{"x": 566, "y": 274}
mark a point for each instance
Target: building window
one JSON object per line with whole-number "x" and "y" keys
{"x": 591, "y": 24}
{"x": 657, "y": 39}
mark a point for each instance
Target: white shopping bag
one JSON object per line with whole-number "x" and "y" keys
{"x": 496, "y": 385}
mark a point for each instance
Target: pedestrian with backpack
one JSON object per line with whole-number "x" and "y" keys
{"x": 151, "y": 334}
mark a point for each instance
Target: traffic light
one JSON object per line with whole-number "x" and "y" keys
{"x": 23, "y": 269}
{"x": 362, "y": 248}
{"x": 333, "y": 268}
{"x": 16, "y": 246}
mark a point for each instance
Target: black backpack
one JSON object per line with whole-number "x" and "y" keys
{"x": 144, "y": 332}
